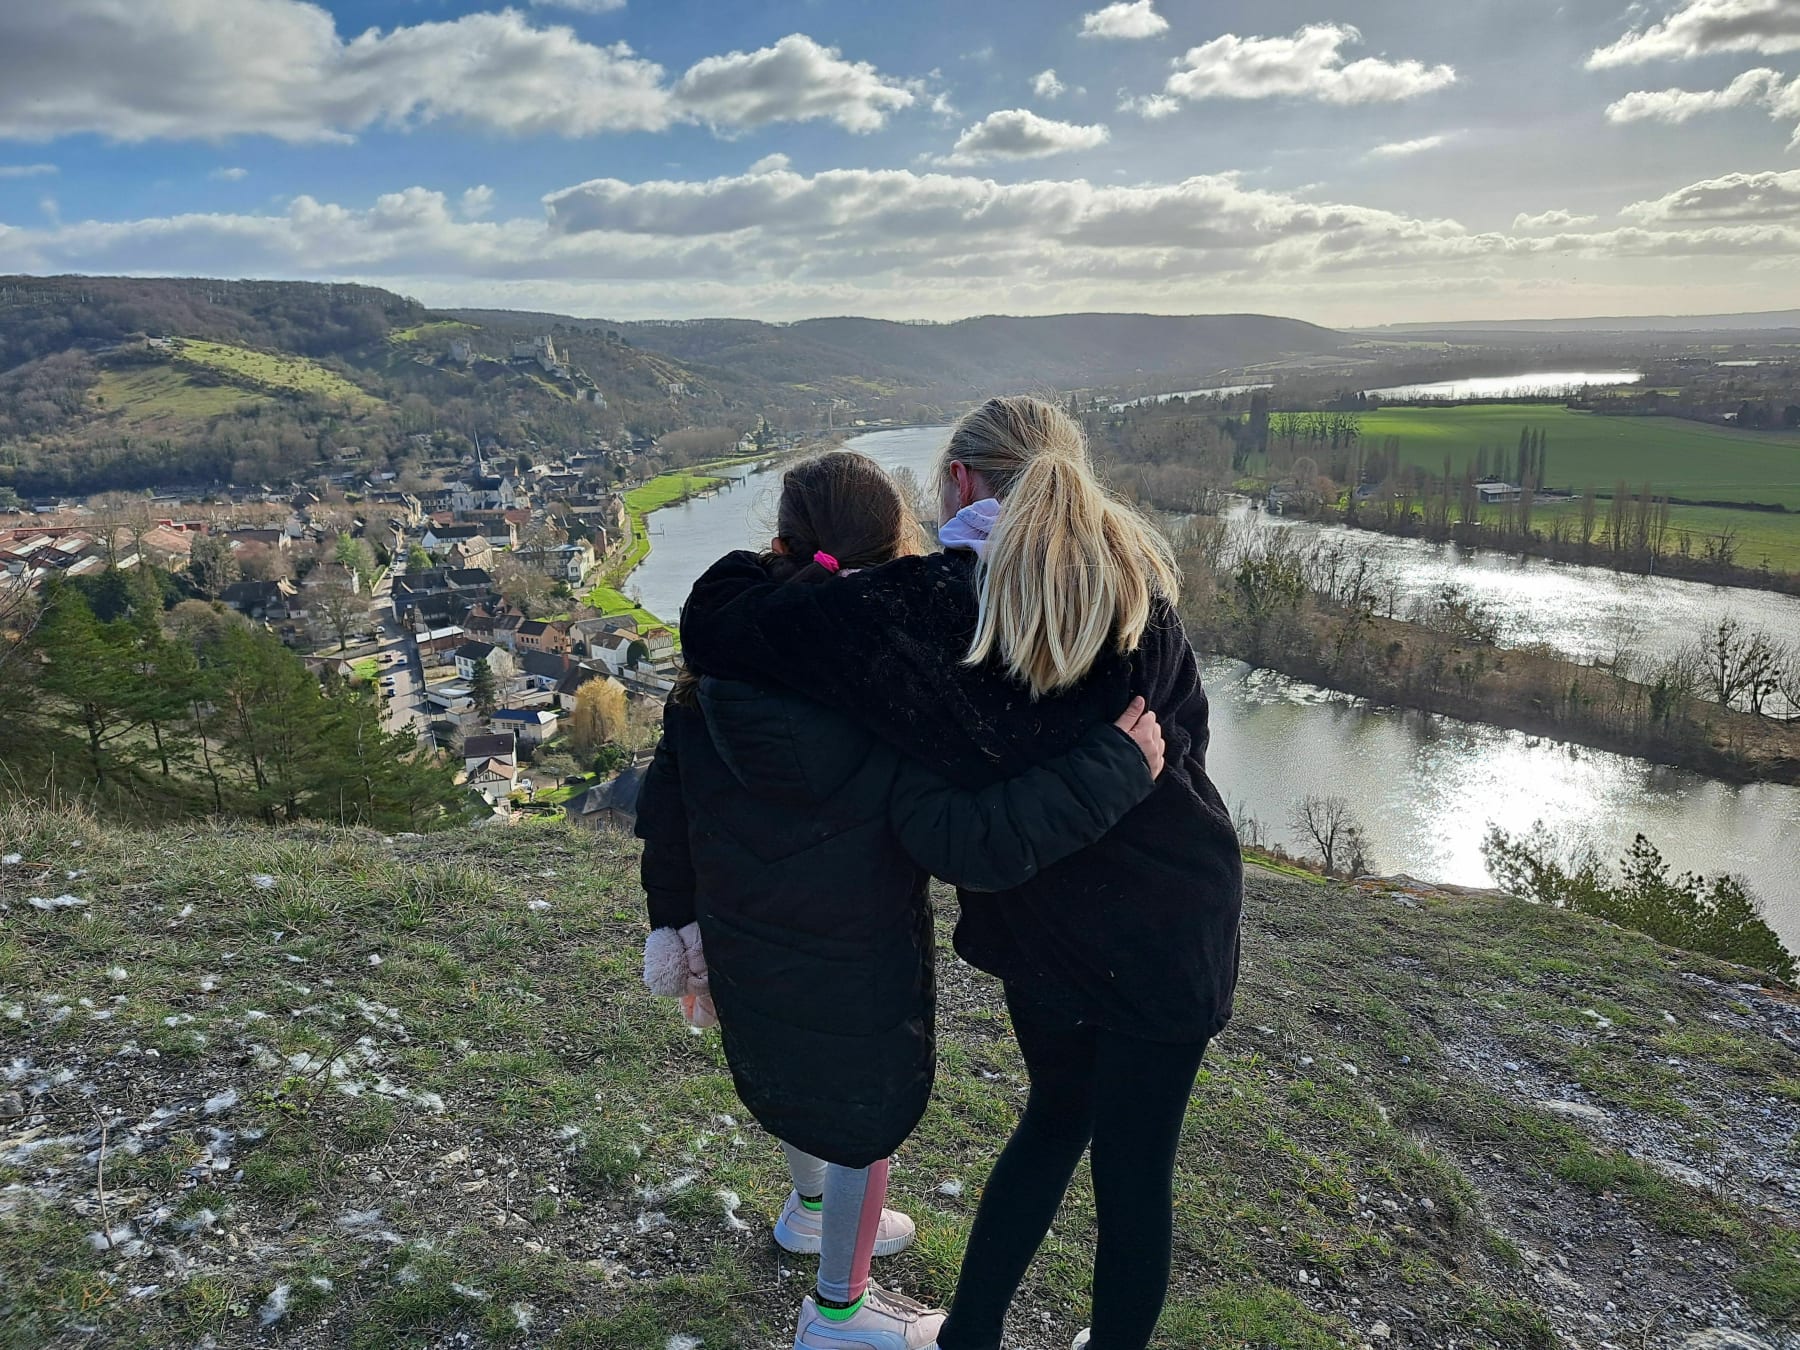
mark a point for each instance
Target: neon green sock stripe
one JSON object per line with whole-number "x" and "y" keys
{"x": 840, "y": 1314}
{"x": 814, "y": 1205}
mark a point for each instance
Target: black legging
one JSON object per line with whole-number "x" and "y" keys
{"x": 1129, "y": 1098}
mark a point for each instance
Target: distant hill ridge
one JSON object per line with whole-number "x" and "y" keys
{"x": 968, "y": 357}
{"x": 1763, "y": 321}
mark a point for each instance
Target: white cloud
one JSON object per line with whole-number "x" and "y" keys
{"x": 26, "y": 170}
{"x": 477, "y": 202}
{"x": 580, "y": 6}
{"x": 1151, "y": 107}
{"x": 775, "y": 163}
{"x": 1045, "y": 84}
{"x": 796, "y": 80}
{"x": 1703, "y": 27}
{"x": 210, "y": 69}
{"x": 230, "y": 174}
{"x": 1018, "y": 134}
{"x": 1678, "y": 105}
{"x": 1759, "y": 88}
{"x": 1307, "y": 65}
{"x": 1734, "y": 198}
{"x": 933, "y": 244}
{"x": 1404, "y": 149}
{"x": 1550, "y": 220}
{"x": 1126, "y": 19}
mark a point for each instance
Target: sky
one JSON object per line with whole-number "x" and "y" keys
{"x": 1349, "y": 162}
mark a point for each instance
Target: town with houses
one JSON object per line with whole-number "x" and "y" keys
{"x": 465, "y": 606}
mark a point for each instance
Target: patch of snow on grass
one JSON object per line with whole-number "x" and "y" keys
{"x": 53, "y": 902}
{"x": 731, "y": 1202}
{"x": 275, "y": 1307}
{"x": 224, "y": 1101}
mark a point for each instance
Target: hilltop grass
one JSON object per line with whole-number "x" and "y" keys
{"x": 1677, "y": 457}
{"x": 150, "y": 400}
{"x": 272, "y": 371}
{"x": 432, "y": 331}
{"x": 416, "y": 1085}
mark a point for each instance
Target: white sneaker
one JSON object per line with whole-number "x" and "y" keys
{"x": 798, "y": 1229}
{"x": 886, "y": 1321}
{"x": 1081, "y": 1341}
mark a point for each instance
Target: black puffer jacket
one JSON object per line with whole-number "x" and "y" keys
{"x": 1138, "y": 934}
{"x": 803, "y": 846}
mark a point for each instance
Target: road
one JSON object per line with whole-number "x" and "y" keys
{"x": 403, "y": 700}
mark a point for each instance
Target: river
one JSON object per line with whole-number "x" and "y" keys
{"x": 1536, "y": 384}
{"x": 1426, "y": 788}
{"x": 1587, "y": 613}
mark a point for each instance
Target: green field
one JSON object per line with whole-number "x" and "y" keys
{"x": 1762, "y": 536}
{"x": 666, "y": 490}
{"x": 273, "y": 371}
{"x": 153, "y": 399}
{"x": 610, "y": 602}
{"x": 1679, "y": 458}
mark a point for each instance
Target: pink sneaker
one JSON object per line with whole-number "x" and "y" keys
{"x": 885, "y": 1321}
{"x": 798, "y": 1229}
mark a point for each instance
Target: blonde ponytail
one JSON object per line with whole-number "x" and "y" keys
{"x": 1068, "y": 568}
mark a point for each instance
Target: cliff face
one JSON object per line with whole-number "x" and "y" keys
{"x": 374, "y": 1092}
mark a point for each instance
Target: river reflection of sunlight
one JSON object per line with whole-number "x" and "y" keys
{"x": 1426, "y": 788}
{"x": 1587, "y": 613}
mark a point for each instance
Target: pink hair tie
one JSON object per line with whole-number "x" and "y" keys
{"x": 825, "y": 560}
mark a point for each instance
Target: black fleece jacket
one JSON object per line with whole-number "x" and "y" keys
{"x": 803, "y": 846}
{"x": 1138, "y": 933}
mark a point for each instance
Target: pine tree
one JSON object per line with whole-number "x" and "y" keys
{"x": 368, "y": 776}
{"x": 482, "y": 686}
{"x": 88, "y": 673}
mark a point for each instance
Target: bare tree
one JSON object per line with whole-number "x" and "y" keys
{"x": 1724, "y": 661}
{"x": 1762, "y": 671}
{"x": 1787, "y": 680}
{"x": 336, "y": 604}
{"x": 598, "y": 718}
{"x": 1331, "y": 827}
{"x": 524, "y": 586}
{"x": 18, "y": 616}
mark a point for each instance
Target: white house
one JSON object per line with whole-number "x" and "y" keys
{"x": 533, "y": 726}
{"x": 614, "y": 650}
{"x": 473, "y": 654}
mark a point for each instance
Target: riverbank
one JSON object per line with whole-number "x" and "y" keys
{"x": 1714, "y": 565}
{"x": 669, "y": 489}
{"x": 1392, "y": 662}
{"x": 412, "y": 1089}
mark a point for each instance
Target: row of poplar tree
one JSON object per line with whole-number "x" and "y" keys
{"x": 198, "y": 704}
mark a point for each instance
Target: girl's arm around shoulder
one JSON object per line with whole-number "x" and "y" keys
{"x": 1169, "y": 676}
{"x": 999, "y": 837}
{"x": 667, "y": 866}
